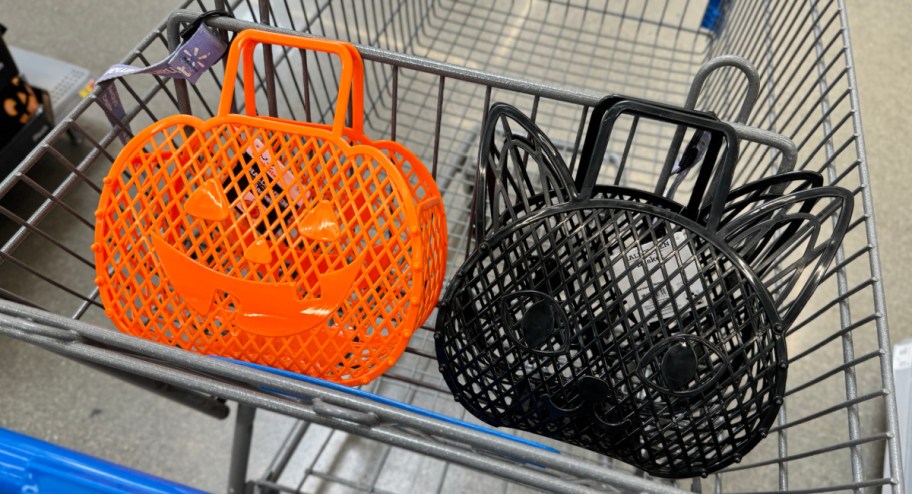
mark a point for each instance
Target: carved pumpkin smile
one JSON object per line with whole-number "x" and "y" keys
{"x": 271, "y": 309}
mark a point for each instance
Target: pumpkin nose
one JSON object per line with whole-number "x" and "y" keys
{"x": 320, "y": 224}
{"x": 258, "y": 252}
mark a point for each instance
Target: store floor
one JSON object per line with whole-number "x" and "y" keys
{"x": 52, "y": 398}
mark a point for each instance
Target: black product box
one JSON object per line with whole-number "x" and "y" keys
{"x": 8, "y": 68}
{"x": 19, "y": 102}
{"x": 24, "y": 141}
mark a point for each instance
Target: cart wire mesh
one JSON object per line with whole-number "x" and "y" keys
{"x": 554, "y": 60}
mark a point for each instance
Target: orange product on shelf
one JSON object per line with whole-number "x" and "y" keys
{"x": 302, "y": 246}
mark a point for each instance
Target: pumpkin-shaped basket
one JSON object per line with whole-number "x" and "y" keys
{"x": 297, "y": 245}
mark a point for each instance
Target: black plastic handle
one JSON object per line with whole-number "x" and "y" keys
{"x": 607, "y": 112}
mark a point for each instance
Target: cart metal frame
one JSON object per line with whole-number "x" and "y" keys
{"x": 496, "y": 51}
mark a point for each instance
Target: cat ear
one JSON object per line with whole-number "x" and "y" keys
{"x": 761, "y": 191}
{"x": 520, "y": 171}
{"x": 789, "y": 242}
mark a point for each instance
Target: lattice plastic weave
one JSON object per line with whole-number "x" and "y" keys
{"x": 289, "y": 244}
{"x": 622, "y": 321}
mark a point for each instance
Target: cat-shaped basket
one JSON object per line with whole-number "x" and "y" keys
{"x": 297, "y": 245}
{"x": 620, "y": 320}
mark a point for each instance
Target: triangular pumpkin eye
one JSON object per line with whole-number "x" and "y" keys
{"x": 208, "y": 202}
{"x": 320, "y": 224}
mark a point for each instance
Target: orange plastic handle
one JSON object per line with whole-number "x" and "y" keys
{"x": 351, "y": 79}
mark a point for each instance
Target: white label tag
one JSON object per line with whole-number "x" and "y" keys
{"x": 668, "y": 252}
{"x": 276, "y": 176}
{"x": 286, "y": 181}
{"x": 902, "y": 356}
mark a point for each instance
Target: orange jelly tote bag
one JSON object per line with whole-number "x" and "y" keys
{"x": 302, "y": 246}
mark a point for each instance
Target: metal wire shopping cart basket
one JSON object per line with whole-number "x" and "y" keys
{"x": 554, "y": 60}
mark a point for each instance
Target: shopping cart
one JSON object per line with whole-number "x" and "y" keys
{"x": 554, "y": 60}
{"x": 30, "y": 465}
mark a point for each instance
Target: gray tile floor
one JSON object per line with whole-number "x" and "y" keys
{"x": 55, "y": 399}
